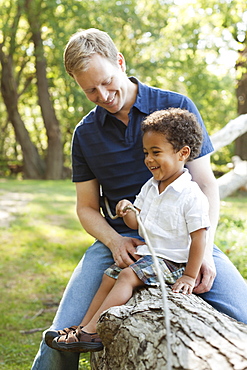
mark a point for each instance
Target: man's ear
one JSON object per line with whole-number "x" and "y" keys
{"x": 121, "y": 62}
{"x": 184, "y": 153}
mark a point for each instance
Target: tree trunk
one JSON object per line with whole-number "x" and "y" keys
{"x": 201, "y": 338}
{"x": 231, "y": 131}
{"x": 33, "y": 165}
{"x": 233, "y": 180}
{"x": 54, "y": 158}
{"x": 241, "y": 91}
{"x": 236, "y": 178}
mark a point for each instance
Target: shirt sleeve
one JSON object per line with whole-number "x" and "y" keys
{"x": 196, "y": 212}
{"x": 207, "y": 146}
{"x": 80, "y": 169}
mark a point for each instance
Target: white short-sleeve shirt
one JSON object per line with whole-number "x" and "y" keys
{"x": 170, "y": 217}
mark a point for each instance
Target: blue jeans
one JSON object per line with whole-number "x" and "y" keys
{"x": 228, "y": 295}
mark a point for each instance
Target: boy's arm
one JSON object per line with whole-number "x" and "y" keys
{"x": 187, "y": 282}
{"x": 128, "y": 215}
{"x": 201, "y": 172}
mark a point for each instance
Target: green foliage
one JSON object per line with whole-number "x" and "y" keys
{"x": 176, "y": 45}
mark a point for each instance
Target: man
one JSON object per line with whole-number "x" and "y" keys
{"x": 108, "y": 162}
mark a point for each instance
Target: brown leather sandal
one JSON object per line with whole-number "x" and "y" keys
{"x": 78, "y": 341}
{"x": 52, "y": 334}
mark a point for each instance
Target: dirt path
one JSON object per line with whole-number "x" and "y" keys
{"x": 11, "y": 204}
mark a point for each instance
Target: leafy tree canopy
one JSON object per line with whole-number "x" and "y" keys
{"x": 186, "y": 46}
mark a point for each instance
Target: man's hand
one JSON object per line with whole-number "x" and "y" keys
{"x": 124, "y": 249}
{"x": 206, "y": 276}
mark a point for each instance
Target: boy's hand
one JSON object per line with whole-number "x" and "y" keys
{"x": 121, "y": 210}
{"x": 185, "y": 284}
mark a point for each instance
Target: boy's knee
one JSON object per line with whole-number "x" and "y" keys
{"x": 127, "y": 274}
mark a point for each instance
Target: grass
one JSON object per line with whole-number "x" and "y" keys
{"x": 231, "y": 236}
{"x": 39, "y": 251}
{"x": 42, "y": 245}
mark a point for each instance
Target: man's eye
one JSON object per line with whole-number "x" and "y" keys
{"x": 108, "y": 82}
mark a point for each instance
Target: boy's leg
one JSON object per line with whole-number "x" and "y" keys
{"x": 229, "y": 291}
{"x": 77, "y": 297}
{"x": 121, "y": 292}
{"x": 104, "y": 289}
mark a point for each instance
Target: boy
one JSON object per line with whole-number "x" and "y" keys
{"x": 174, "y": 212}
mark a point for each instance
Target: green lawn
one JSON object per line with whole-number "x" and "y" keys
{"x": 40, "y": 248}
{"x": 231, "y": 236}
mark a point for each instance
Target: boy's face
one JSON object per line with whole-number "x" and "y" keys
{"x": 104, "y": 83}
{"x": 165, "y": 164}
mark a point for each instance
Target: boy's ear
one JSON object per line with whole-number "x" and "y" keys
{"x": 184, "y": 153}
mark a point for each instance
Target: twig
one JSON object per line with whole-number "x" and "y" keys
{"x": 31, "y": 331}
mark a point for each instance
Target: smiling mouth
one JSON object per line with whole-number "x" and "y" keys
{"x": 153, "y": 168}
{"x": 109, "y": 102}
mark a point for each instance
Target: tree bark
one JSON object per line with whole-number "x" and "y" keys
{"x": 54, "y": 157}
{"x": 201, "y": 338}
{"x": 233, "y": 180}
{"x": 236, "y": 178}
{"x": 34, "y": 166}
{"x": 231, "y": 131}
{"x": 241, "y": 92}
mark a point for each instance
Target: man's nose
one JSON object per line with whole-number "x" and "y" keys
{"x": 102, "y": 94}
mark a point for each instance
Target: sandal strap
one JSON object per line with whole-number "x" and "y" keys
{"x": 78, "y": 336}
{"x": 67, "y": 330}
{"x": 88, "y": 337}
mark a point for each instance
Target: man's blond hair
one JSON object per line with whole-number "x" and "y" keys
{"x": 85, "y": 43}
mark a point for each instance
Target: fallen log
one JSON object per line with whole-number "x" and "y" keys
{"x": 233, "y": 180}
{"x": 231, "y": 131}
{"x": 201, "y": 338}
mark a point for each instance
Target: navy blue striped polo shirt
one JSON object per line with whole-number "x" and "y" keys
{"x": 103, "y": 147}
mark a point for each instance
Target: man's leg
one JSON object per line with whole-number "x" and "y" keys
{"x": 229, "y": 291}
{"x": 77, "y": 297}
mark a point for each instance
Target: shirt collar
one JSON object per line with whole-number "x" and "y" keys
{"x": 142, "y": 98}
{"x": 179, "y": 184}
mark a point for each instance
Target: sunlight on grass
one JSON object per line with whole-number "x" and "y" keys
{"x": 39, "y": 251}
{"x": 231, "y": 236}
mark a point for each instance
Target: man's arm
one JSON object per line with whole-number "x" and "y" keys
{"x": 88, "y": 211}
{"x": 202, "y": 173}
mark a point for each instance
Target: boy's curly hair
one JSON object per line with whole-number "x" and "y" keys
{"x": 179, "y": 126}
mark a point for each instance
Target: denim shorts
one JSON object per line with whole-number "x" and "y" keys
{"x": 145, "y": 270}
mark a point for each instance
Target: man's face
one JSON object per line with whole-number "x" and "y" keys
{"x": 105, "y": 84}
